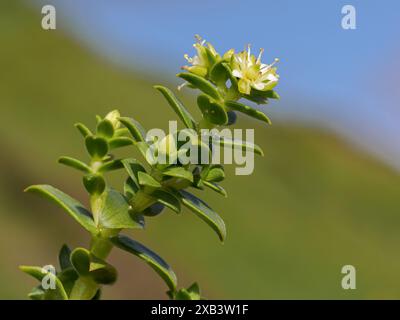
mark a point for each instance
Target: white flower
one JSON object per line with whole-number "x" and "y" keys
{"x": 252, "y": 73}
{"x": 205, "y": 58}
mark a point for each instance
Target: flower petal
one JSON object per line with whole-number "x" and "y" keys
{"x": 236, "y": 73}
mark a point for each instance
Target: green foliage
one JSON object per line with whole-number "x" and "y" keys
{"x": 96, "y": 146}
{"x": 113, "y": 211}
{"x": 94, "y": 183}
{"x": 212, "y": 111}
{"x": 178, "y": 107}
{"x": 233, "y": 105}
{"x": 201, "y": 84}
{"x": 191, "y": 293}
{"x": 204, "y": 212}
{"x": 150, "y": 187}
{"x": 150, "y": 257}
{"x": 39, "y": 293}
{"x": 75, "y": 209}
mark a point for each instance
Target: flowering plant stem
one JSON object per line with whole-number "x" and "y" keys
{"x": 152, "y": 186}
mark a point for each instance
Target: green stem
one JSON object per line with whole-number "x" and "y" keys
{"x": 84, "y": 287}
{"x": 101, "y": 246}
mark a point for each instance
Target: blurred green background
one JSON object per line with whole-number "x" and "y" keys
{"x": 313, "y": 204}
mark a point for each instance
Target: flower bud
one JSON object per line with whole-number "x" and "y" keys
{"x": 113, "y": 117}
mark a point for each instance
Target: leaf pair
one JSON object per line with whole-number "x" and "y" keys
{"x": 91, "y": 267}
{"x": 108, "y": 136}
{"x": 59, "y": 285}
{"x": 112, "y": 209}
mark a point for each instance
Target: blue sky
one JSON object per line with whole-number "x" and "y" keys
{"x": 342, "y": 79}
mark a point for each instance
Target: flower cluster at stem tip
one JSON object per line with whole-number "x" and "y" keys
{"x": 246, "y": 67}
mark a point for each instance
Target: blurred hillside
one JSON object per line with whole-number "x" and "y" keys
{"x": 313, "y": 204}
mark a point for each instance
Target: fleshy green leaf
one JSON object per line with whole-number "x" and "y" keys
{"x": 261, "y": 97}
{"x": 151, "y": 258}
{"x": 97, "y": 296}
{"x": 119, "y": 142}
{"x": 85, "y": 131}
{"x": 94, "y": 183}
{"x": 215, "y": 187}
{"x": 201, "y": 83}
{"x": 134, "y": 127}
{"x": 75, "y": 163}
{"x": 215, "y": 173}
{"x": 64, "y": 257}
{"x": 133, "y": 167}
{"x": 168, "y": 199}
{"x": 88, "y": 265}
{"x": 68, "y": 277}
{"x": 102, "y": 272}
{"x": 111, "y": 165}
{"x": 247, "y": 110}
{"x": 147, "y": 180}
{"x": 80, "y": 259}
{"x": 130, "y": 188}
{"x": 37, "y": 293}
{"x": 194, "y": 289}
{"x": 270, "y": 94}
{"x": 183, "y": 294}
{"x": 191, "y": 293}
{"x": 232, "y": 117}
{"x": 72, "y": 206}
{"x": 210, "y": 53}
{"x": 58, "y": 293}
{"x": 120, "y": 132}
{"x": 237, "y": 144}
{"x": 219, "y": 73}
{"x": 178, "y": 172}
{"x": 105, "y": 128}
{"x": 144, "y": 149}
{"x": 211, "y": 110}
{"x": 154, "y": 210}
{"x": 232, "y": 78}
{"x": 114, "y": 211}
{"x": 197, "y": 181}
{"x": 204, "y": 212}
{"x": 96, "y": 146}
{"x": 178, "y": 107}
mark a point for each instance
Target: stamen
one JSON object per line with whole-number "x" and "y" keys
{"x": 200, "y": 40}
{"x": 260, "y": 55}
{"x": 186, "y": 56}
{"x": 182, "y": 85}
{"x": 276, "y": 60}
